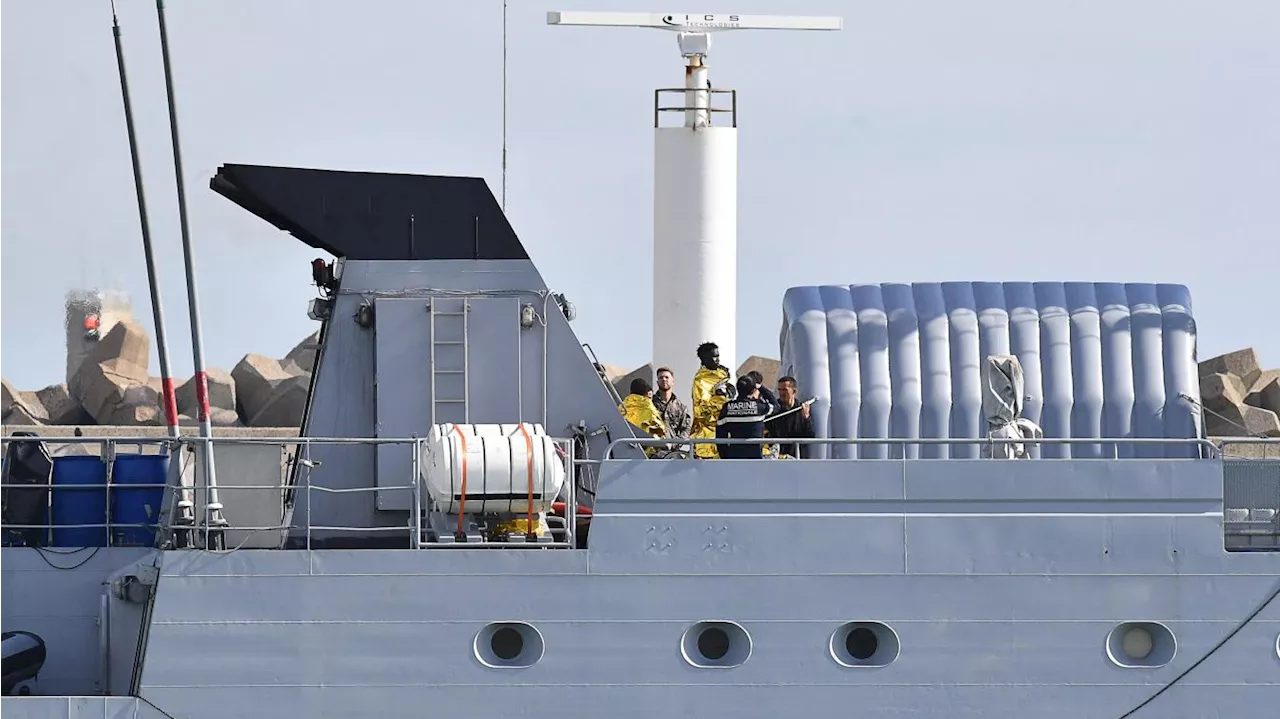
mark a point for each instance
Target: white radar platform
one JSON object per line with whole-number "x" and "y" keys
{"x": 695, "y": 187}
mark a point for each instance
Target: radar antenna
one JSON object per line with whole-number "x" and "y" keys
{"x": 695, "y": 190}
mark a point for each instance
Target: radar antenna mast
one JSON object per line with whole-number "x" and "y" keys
{"x": 695, "y": 187}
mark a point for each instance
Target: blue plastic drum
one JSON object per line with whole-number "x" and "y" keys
{"x": 79, "y": 497}
{"x": 137, "y": 505}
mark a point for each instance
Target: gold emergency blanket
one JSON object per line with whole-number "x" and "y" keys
{"x": 639, "y": 410}
{"x": 706, "y": 409}
{"x": 521, "y": 526}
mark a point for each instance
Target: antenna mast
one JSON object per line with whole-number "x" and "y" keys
{"x": 215, "y": 521}
{"x": 695, "y": 187}
{"x": 184, "y": 505}
{"x": 504, "y": 106}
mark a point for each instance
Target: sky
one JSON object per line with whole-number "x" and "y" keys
{"x": 930, "y": 140}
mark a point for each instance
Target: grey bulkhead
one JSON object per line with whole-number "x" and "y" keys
{"x": 378, "y": 381}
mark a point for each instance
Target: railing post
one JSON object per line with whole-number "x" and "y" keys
{"x": 108, "y": 455}
{"x": 571, "y": 506}
{"x": 307, "y": 487}
{"x": 415, "y": 514}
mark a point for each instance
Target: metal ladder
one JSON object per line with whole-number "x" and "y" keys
{"x": 450, "y": 360}
{"x": 450, "y": 375}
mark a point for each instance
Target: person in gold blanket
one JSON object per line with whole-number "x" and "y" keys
{"x": 712, "y": 387}
{"x": 638, "y": 409}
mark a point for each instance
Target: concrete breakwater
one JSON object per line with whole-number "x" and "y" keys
{"x": 112, "y": 385}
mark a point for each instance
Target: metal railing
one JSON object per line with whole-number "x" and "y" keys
{"x": 690, "y": 104}
{"x": 300, "y": 455}
{"x": 1251, "y": 494}
{"x": 1269, "y": 447}
{"x": 1208, "y": 450}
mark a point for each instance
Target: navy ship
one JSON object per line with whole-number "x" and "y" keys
{"x": 1011, "y": 509}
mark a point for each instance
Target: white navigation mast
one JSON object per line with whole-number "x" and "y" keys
{"x": 695, "y": 188}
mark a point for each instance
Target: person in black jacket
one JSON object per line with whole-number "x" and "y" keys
{"x": 743, "y": 418}
{"x": 765, "y": 394}
{"x": 795, "y": 424}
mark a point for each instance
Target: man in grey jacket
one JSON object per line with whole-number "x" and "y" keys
{"x": 673, "y": 411}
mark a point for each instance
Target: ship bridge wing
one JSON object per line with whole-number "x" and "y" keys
{"x": 376, "y": 216}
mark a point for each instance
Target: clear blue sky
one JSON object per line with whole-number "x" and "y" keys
{"x": 930, "y": 140}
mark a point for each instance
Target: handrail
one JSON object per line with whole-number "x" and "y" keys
{"x": 288, "y": 484}
{"x": 904, "y": 441}
{"x": 1212, "y": 448}
{"x": 709, "y": 92}
{"x": 1266, "y": 441}
{"x": 108, "y": 525}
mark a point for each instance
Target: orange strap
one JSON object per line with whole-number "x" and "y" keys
{"x": 462, "y": 500}
{"x": 528, "y": 443}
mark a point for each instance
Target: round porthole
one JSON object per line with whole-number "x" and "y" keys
{"x": 718, "y": 645}
{"x": 864, "y": 644}
{"x": 1141, "y": 644}
{"x": 508, "y": 645}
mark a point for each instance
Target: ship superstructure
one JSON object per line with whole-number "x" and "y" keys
{"x": 1013, "y": 511}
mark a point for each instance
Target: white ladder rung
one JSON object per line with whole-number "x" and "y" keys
{"x": 463, "y": 372}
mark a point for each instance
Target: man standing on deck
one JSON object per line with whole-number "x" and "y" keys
{"x": 673, "y": 411}
{"x": 711, "y": 389}
{"x": 743, "y": 418}
{"x": 797, "y": 424}
{"x": 770, "y": 450}
{"x": 765, "y": 394}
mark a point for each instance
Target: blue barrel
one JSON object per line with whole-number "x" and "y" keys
{"x": 79, "y": 497}
{"x": 137, "y": 505}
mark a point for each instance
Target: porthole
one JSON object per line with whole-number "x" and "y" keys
{"x": 1141, "y": 645}
{"x": 716, "y": 645}
{"x": 508, "y": 645}
{"x": 713, "y": 643}
{"x": 864, "y": 644}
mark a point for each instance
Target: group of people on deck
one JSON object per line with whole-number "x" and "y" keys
{"x": 721, "y": 408}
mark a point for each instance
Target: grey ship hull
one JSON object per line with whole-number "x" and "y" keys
{"x": 1001, "y": 612}
{"x": 1002, "y": 609}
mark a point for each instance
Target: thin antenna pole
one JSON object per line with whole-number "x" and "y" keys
{"x": 504, "y": 106}
{"x": 216, "y": 523}
{"x": 168, "y": 398}
{"x": 157, "y": 311}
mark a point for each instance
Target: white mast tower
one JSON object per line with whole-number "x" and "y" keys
{"x": 695, "y": 189}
